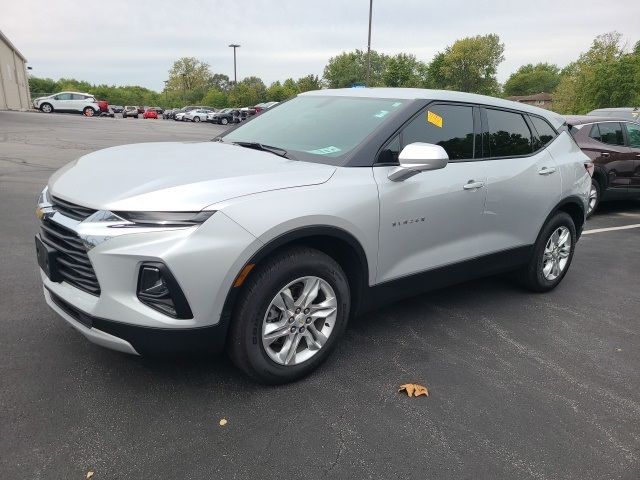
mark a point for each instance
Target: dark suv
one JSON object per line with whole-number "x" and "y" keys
{"x": 613, "y": 145}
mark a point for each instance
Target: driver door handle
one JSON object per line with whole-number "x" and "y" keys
{"x": 471, "y": 185}
{"x": 546, "y": 170}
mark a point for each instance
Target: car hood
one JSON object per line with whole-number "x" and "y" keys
{"x": 177, "y": 176}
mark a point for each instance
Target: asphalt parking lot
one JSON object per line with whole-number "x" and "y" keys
{"x": 522, "y": 385}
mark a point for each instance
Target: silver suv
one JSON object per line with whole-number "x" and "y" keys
{"x": 266, "y": 240}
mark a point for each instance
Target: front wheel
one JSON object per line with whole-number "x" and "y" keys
{"x": 594, "y": 197}
{"x": 196, "y": 119}
{"x": 290, "y": 316}
{"x": 46, "y": 108}
{"x": 88, "y": 112}
{"x": 552, "y": 254}
{"x": 224, "y": 121}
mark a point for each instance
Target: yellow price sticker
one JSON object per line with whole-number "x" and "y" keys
{"x": 434, "y": 118}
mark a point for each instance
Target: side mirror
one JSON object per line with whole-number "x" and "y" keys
{"x": 419, "y": 157}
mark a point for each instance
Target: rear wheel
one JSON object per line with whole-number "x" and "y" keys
{"x": 290, "y": 316}
{"x": 594, "y": 197}
{"x": 552, "y": 254}
{"x": 46, "y": 108}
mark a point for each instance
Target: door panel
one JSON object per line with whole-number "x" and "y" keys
{"x": 430, "y": 219}
{"x": 521, "y": 192}
{"x": 633, "y": 136}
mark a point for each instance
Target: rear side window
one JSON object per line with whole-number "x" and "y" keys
{"x": 633, "y": 131}
{"x": 509, "y": 134}
{"x": 609, "y": 133}
{"x": 450, "y": 126}
{"x": 545, "y": 133}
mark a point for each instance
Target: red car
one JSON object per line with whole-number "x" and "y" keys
{"x": 150, "y": 113}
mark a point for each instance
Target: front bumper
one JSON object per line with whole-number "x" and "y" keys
{"x": 204, "y": 261}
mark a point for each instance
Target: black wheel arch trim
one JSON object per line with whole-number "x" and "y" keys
{"x": 573, "y": 200}
{"x": 286, "y": 239}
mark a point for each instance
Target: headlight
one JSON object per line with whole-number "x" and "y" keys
{"x": 165, "y": 219}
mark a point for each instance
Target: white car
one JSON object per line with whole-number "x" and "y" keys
{"x": 197, "y": 115}
{"x": 266, "y": 240}
{"x": 68, "y": 102}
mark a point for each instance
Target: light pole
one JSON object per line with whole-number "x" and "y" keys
{"x": 184, "y": 86}
{"x": 369, "y": 44}
{"x": 235, "y": 74}
{"x": 166, "y": 99}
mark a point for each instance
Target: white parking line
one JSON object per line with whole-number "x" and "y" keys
{"x": 610, "y": 229}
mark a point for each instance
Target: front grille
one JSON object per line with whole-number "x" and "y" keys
{"x": 71, "y": 210}
{"x": 73, "y": 262}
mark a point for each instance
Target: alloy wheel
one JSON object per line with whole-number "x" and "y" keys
{"x": 556, "y": 253}
{"x": 299, "y": 320}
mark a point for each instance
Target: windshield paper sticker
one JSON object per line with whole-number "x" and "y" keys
{"x": 325, "y": 150}
{"x": 397, "y": 104}
{"x": 381, "y": 114}
{"x": 434, "y": 118}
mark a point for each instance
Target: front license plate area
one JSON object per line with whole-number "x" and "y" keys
{"x": 48, "y": 260}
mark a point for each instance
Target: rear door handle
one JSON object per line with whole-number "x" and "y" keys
{"x": 546, "y": 170}
{"x": 471, "y": 185}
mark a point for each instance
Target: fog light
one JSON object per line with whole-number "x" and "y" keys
{"x": 158, "y": 289}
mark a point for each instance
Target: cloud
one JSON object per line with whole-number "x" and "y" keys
{"x": 125, "y": 42}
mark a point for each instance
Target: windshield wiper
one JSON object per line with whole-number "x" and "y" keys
{"x": 281, "y": 152}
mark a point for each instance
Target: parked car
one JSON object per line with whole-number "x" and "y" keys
{"x": 75, "y": 102}
{"x": 224, "y": 116}
{"x": 158, "y": 110}
{"x": 196, "y": 115}
{"x": 264, "y": 106}
{"x": 130, "y": 111}
{"x": 117, "y": 108}
{"x": 150, "y": 113}
{"x": 168, "y": 114}
{"x": 626, "y": 113}
{"x": 142, "y": 109}
{"x": 177, "y": 116}
{"x": 613, "y": 145}
{"x": 231, "y": 244}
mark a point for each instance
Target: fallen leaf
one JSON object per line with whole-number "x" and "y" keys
{"x": 618, "y": 349}
{"x": 223, "y": 422}
{"x": 89, "y": 474}
{"x": 414, "y": 389}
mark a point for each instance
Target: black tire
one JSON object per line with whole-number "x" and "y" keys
{"x": 46, "y": 108}
{"x": 196, "y": 119}
{"x": 245, "y": 345}
{"x": 124, "y": 115}
{"x": 135, "y": 116}
{"x": 595, "y": 185}
{"x": 224, "y": 121}
{"x": 532, "y": 276}
{"x": 88, "y": 112}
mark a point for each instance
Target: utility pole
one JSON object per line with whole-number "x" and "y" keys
{"x": 166, "y": 99}
{"x": 369, "y": 44}
{"x": 235, "y": 73}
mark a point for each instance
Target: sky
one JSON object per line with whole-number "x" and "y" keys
{"x": 135, "y": 42}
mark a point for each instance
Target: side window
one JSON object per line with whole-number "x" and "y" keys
{"x": 595, "y": 132}
{"x": 611, "y": 133}
{"x": 77, "y": 96}
{"x": 633, "y": 131}
{"x": 545, "y": 133}
{"x": 390, "y": 152}
{"x": 63, "y": 96}
{"x": 450, "y": 126}
{"x": 509, "y": 134}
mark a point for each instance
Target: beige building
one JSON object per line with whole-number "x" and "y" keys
{"x": 14, "y": 83}
{"x": 542, "y": 100}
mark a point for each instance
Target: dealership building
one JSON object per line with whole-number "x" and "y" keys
{"x": 14, "y": 83}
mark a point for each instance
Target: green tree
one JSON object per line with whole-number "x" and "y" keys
{"x": 531, "y": 79}
{"x": 603, "y": 76}
{"x": 190, "y": 76}
{"x": 216, "y": 97}
{"x": 310, "y": 82}
{"x": 351, "y": 67}
{"x": 471, "y": 64}
{"x": 404, "y": 70}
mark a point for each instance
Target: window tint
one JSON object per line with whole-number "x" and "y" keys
{"x": 509, "y": 134}
{"x": 450, "y": 126}
{"x": 389, "y": 154}
{"x": 633, "y": 131}
{"x": 545, "y": 132}
{"x": 63, "y": 96}
{"x": 611, "y": 133}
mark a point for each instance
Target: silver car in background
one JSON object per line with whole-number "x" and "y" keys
{"x": 265, "y": 241}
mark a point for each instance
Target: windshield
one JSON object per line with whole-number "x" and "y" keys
{"x": 320, "y": 129}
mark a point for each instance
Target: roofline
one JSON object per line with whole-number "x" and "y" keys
{"x": 12, "y": 46}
